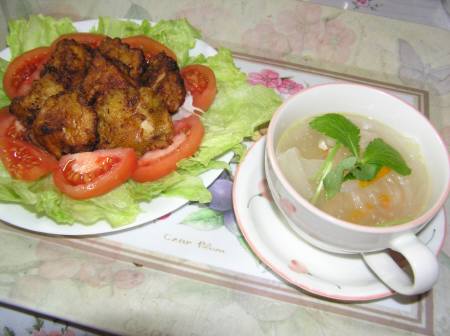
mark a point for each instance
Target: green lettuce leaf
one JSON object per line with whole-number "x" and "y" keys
{"x": 237, "y": 111}
{"x": 120, "y": 28}
{"x": 4, "y": 100}
{"x": 118, "y": 207}
{"x": 178, "y": 35}
{"x": 35, "y": 32}
{"x": 190, "y": 188}
{"x": 227, "y": 74}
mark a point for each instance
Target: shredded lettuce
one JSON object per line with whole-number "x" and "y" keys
{"x": 37, "y": 31}
{"x": 237, "y": 111}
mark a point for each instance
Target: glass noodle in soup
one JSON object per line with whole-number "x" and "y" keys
{"x": 387, "y": 199}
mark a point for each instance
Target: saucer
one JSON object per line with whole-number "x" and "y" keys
{"x": 336, "y": 276}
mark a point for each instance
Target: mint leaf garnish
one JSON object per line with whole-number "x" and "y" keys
{"x": 376, "y": 155}
{"x": 339, "y": 128}
{"x": 324, "y": 170}
{"x": 333, "y": 181}
{"x": 380, "y": 153}
{"x": 365, "y": 171}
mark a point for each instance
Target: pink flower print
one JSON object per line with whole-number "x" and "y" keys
{"x": 271, "y": 79}
{"x": 60, "y": 9}
{"x": 301, "y": 25}
{"x": 334, "y": 45}
{"x": 48, "y": 251}
{"x": 264, "y": 39}
{"x": 264, "y": 190}
{"x": 363, "y": 3}
{"x": 266, "y": 77}
{"x": 127, "y": 279}
{"x": 287, "y": 206}
{"x": 39, "y": 333}
{"x": 69, "y": 332}
{"x": 64, "y": 268}
{"x": 59, "y": 263}
{"x": 63, "y": 333}
{"x": 290, "y": 87}
{"x": 298, "y": 267}
{"x": 95, "y": 275}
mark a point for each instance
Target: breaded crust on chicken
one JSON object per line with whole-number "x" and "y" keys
{"x": 103, "y": 76}
{"x": 163, "y": 76}
{"x": 25, "y": 108}
{"x": 91, "y": 99}
{"x": 65, "y": 124}
{"x": 129, "y": 60}
{"x": 134, "y": 118}
{"x": 69, "y": 62}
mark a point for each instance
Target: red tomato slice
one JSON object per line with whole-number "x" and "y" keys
{"x": 4, "y": 110}
{"x": 158, "y": 163}
{"x": 90, "y": 174}
{"x": 25, "y": 161}
{"x": 23, "y": 70}
{"x": 149, "y": 46}
{"x": 200, "y": 81}
{"x": 92, "y": 39}
{"x": 10, "y": 127}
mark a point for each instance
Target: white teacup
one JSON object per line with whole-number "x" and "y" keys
{"x": 334, "y": 235}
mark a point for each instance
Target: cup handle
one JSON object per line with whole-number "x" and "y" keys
{"x": 423, "y": 263}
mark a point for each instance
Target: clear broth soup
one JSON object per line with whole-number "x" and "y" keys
{"x": 387, "y": 200}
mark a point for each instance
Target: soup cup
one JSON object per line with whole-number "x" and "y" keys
{"x": 338, "y": 236}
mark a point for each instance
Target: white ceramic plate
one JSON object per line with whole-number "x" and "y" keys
{"x": 336, "y": 276}
{"x": 20, "y": 217}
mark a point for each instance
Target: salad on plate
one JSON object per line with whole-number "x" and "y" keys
{"x": 194, "y": 101}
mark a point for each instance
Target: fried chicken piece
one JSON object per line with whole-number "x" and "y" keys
{"x": 129, "y": 60}
{"x": 69, "y": 62}
{"x": 163, "y": 76}
{"x": 25, "y": 108}
{"x": 134, "y": 118}
{"x": 65, "y": 124}
{"x": 103, "y": 76}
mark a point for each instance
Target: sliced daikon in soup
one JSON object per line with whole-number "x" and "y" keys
{"x": 299, "y": 171}
{"x": 386, "y": 200}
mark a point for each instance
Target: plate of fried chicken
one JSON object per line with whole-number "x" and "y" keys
{"x": 67, "y": 111}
